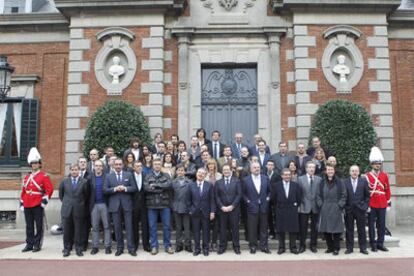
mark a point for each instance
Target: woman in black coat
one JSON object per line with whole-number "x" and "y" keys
{"x": 331, "y": 198}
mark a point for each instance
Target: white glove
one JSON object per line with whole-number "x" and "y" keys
{"x": 369, "y": 210}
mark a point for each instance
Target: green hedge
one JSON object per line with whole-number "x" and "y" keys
{"x": 346, "y": 130}
{"x": 114, "y": 124}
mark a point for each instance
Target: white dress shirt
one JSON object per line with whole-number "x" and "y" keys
{"x": 257, "y": 182}
{"x": 138, "y": 179}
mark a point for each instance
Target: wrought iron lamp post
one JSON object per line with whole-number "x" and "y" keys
{"x": 5, "y": 77}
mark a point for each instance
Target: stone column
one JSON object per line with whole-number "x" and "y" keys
{"x": 183, "y": 85}
{"x": 275, "y": 133}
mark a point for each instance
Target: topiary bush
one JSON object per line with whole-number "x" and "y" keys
{"x": 114, "y": 124}
{"x": 346, "y": 129}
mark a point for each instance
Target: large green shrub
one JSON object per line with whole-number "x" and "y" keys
{"x": 114, "y": 124}
{"x": 346, "y": 130}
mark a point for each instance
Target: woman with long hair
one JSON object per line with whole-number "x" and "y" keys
{"x": 128, "y": 162}
{"x": 293, "y": 168}
{"x": 201, "y": 135}
{"x": 331, "y": 199}
{"x": 168, "y": 165}
{"x": 320, "y": 161}
{"x": 213, "y": 176}
{"x": 147, "y": 164}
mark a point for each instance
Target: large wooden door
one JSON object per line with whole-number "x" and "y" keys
{"x": 229, "y": 102}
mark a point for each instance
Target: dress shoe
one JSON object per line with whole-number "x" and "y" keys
{"x": 220, "y": 251}
{"x": 302, "y": 249}
{"x": 314, "y": 250}
{"x": 79, "y": 253}
{"x": 169, "y": 250}
{"x": 281, "y": 251}
{"x": 205, "y": 253}
{"x": 266, "y": 250}
{"x": 147, "y": 249}
{"x": 364, "y": 251}
{"x": 66, "y": 253}
{"x": 294, "y": 251}
{"x": 348, "y": 251}
{"x": 382, "y": 248}
{"x": 119, "y": 252}
{"x": 36, "y": 249}
{"x": 132, "y": 253}
{"x": 327, "y": 251}
{"x": 213, "y": 247}
{"x": 85, "y": 248}
{"x": 335, "y": 253}
{"x": 178, "y": 248}
{"x": 108, "y": 250}
{"x": 188, "y": 249}
{"x": 27, "y": 248}
{"x": 237, "y": 251}
{"x": 196, "y": 253}
{"x": 252, "y": 250}
{"x": 94, "y": 251}
{"x": 374, "y": 249}
{"x": 154, "y": 251}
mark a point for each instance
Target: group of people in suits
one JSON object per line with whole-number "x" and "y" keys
{"x": 213, "y": 189}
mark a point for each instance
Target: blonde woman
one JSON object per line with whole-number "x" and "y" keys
{"x": 320, "y": 161}
{"x": 213, "y": 176}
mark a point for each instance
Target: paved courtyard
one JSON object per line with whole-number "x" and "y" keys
{"x": 398, "y": 261}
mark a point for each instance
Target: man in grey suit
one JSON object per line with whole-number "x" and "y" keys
{"x": 119, "y": 186}
{"x": 309, "y": 184}
{"x": 74, "y": 194}
{"x": 237, "y": 145}
{"x": 282, "y": 158}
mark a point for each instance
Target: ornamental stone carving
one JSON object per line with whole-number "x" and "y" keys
{"x": 342, "y": 61}
{"x": 217, "y": 6}
{"x": 115, "y": 63}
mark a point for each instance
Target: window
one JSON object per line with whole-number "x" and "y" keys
{"x": 14, "y": 9}
{"x": 18, "y": 130}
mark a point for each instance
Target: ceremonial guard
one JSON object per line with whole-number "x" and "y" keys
{"x": 379, "y": 188}
{"x": 36, "y": 192}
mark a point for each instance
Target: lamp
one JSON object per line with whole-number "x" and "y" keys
{"x": 5, "y": 77}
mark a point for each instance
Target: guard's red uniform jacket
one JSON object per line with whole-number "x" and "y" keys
{"x": 379, "y": 188}
{"x": 37, "y": 190}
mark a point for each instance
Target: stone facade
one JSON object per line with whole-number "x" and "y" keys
{"x": 173, "y": 42}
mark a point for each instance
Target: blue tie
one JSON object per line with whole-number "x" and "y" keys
{"x": 74, "y": 184}
{"x": 119, "y": 178}
{"x": 215, "y": 151}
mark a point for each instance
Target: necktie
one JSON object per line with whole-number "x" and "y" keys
{"x": 119, "y": 178}
{"x": 311, "y": 182}
{"x": 227, "y": 183}
{"x": 74, "y": 184}
{"x": 239, "y": 148}
{"x": 81, "y": 174}
{"x": 287, "y": 189}
{"x": 215, "y": 150}
{"x": 200, "y": 188}
{"x": 354, "y": 184}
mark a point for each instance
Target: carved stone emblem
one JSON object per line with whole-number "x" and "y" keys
{"x": 228, "y": 4}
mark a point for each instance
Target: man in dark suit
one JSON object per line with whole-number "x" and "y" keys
{"x": 237, "y": 145}
{"x": 93, "y": 156}
{"x": 254, "y": 149}
{"x": 202, "y": 210}
{"x": 286, "y": 196}
{"x": 308, "y": 209}
{"x": 263, "y": 156}
{"x": 316, "y": 144}
{"x": 355, "y": 209}
{"x": 120, "y": 186}
{"x": 228, "y": 193}
{"x": 282, "y": 158}
{"x": 256, "y": 194}
{"x": 216, "y": 147}
{"x": 74, "y": 194}
{"x": 98, "y": 208}
{"x": 139, "y": 211}
{"x": 301, "y": 158}
{"x": 273, "y": 179}
{"x": 85, "y": 174}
